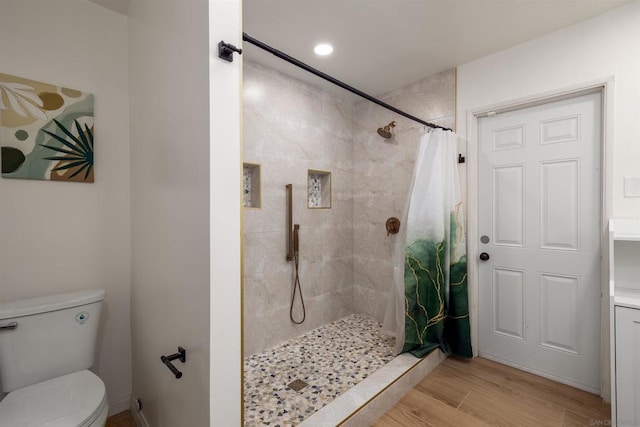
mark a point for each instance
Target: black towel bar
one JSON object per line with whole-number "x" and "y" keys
{"x": 181, "y": 355}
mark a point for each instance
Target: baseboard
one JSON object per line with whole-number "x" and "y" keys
{"x": 138, "y": 416}
{"x": 539, "y": 373}
{"x": 119, "y": 405}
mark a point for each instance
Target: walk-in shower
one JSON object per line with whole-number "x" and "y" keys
{"x": 342, "y": 184}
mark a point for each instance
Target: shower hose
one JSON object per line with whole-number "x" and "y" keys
{"x": 296, "y": 283}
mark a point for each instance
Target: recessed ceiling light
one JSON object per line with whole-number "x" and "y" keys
{"x": 323, "y": 49}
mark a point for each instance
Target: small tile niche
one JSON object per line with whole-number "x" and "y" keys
{"x": 251, "y": 197}
{"x": 319, "y": 183}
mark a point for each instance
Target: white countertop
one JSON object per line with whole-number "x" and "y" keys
{"x": 626, "y": 297}
{"x": 625, "y": 229}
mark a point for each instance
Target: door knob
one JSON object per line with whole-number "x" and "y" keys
{"x": 484, "y": 256}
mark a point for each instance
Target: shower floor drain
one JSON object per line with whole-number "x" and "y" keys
{"x": 298, "y": 385}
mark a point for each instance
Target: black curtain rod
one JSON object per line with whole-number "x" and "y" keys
{"x": 246, "y": 37}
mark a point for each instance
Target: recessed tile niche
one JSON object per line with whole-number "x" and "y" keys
{"x": 319, "y": 183}
{"x": 251, "y": 187}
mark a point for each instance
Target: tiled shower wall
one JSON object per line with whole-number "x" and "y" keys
{"x": 345, "y": 266}
{"x": 382, "y": 174}
{"x": 289, "y": 128}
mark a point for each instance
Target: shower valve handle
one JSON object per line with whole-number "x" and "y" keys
{"x": 392, "y": 225}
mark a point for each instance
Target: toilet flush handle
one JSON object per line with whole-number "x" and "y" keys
{"x": 10, "y": 327}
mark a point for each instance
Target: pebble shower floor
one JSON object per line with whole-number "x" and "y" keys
{"x": 331, "y": 359}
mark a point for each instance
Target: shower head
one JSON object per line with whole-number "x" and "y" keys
{"x": 385, "y": 132}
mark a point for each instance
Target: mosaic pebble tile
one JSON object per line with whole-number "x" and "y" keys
{"x": 315, "y": 190}
{"x": 246, "y": 186}
{"x": 331, "y": 359}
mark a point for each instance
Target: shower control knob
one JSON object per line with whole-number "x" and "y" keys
{"x": 484, "y": 256}
{"x": 392, "y": 225}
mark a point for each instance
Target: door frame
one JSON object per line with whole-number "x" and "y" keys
{"x": 606, "y": 87}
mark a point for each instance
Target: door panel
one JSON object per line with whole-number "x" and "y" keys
{"x": 508, "y": 138}
{"x": 508, "y": 302}
{"x": 559, "y": 312}
{"x": 508, "y": 205}
{"x": 559, "y": 205}
{"x": 539, "y": 201}
{"x": 563, "y": 129}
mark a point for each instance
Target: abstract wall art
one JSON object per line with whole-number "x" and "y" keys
{"x": 46, "y": 131}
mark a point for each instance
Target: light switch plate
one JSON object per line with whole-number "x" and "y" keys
{"x": 632, "y": 186}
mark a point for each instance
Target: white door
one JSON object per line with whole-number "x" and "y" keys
{"x": 539, "y": 224}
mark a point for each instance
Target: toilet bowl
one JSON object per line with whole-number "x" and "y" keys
{"x": 77, "y": 400}
{"x": 47, "y": 345}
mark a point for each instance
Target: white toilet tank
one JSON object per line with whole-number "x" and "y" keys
{"x": 53, "y": 336}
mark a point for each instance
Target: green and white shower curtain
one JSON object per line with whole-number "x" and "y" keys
{"x": 429, "y": 306}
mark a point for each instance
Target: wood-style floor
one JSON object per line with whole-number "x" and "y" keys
{"x": 123, "y": 419}
{"x": 479, "y": 392}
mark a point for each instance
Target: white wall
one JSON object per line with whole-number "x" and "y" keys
{"x": 602, "y": 47}
{"x": 225, "y": 115}
{"x": 80, "y": 240}
{"x": 169, "y": 103}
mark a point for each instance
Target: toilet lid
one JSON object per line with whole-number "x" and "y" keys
{"x": 70, "y": 400}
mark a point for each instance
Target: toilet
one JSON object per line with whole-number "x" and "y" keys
{"x": 47, "y": 345}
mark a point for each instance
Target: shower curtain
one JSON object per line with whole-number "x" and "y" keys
{"x": 429, "y": 307}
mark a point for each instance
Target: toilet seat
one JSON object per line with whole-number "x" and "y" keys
{"x": 77, "y": 399}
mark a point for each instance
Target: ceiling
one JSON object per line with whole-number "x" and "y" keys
{"x": 381, "y": 45}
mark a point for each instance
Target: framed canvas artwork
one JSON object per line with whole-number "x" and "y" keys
{"x": 46, "y": 131}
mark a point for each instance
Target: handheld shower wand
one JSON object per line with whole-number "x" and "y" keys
{"x": 293, "y": 254}
{"x": 296, "y": 283}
